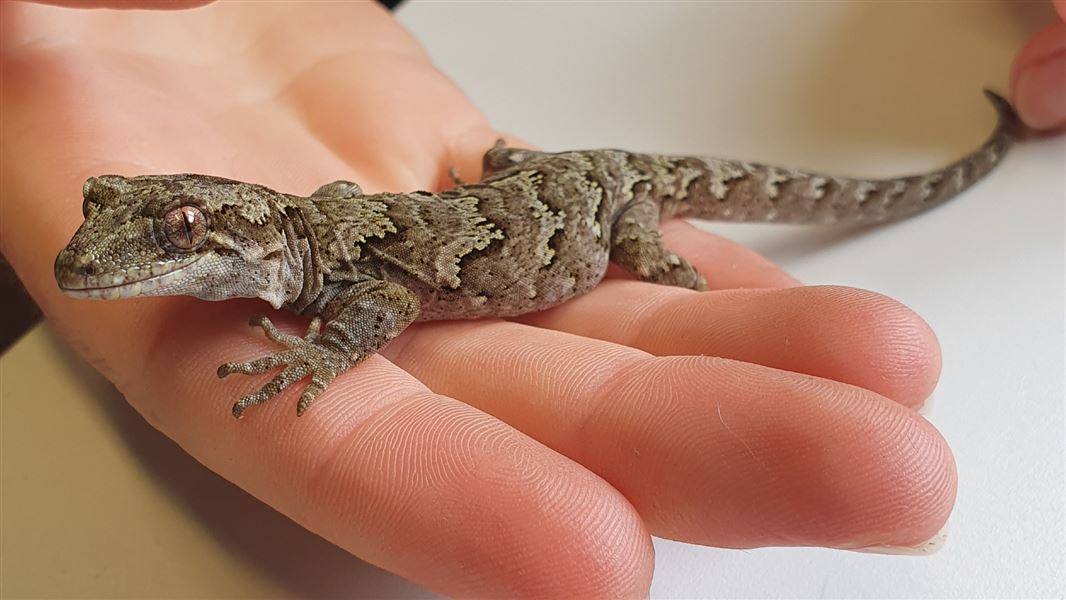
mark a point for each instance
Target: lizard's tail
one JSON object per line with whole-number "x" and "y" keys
{"x": 726, "y": 190}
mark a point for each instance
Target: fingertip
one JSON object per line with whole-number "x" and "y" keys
{"x": 895, "y": 352}
{"x": 904, "y": 482}
{"x": 846, "y": 334}
{"x": 1038, "y": 79}
{"x": 909, "y": 497}
{"x": 931, "y": 479}
{"x": 758, "y": 457}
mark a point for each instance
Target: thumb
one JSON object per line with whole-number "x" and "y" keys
{"x": 1038, "y": 77}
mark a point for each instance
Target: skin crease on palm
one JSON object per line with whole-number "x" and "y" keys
{"x": 532, "y": 457}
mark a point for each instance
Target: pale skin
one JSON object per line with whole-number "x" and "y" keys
{"x": 564, "y": 439}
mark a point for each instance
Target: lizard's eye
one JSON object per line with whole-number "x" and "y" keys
{"x": 185, "y": 227}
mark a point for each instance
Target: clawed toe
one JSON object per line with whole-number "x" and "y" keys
{"x": 254, "y": 367}
{"x": 453, "y": 173}
{"x": 319, "y": 381}
{"x": 313, "y": 329}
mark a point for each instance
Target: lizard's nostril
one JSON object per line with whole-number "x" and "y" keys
{"x": 86, "y": 268}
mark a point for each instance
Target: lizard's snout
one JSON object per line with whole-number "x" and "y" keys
{"x": 74, "y": 262}
{"x": 74, "y": 270}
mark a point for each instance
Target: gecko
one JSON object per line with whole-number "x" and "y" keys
{"x": 538, "y": 229}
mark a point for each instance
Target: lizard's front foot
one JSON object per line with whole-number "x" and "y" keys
{"x": 304, "y": 356}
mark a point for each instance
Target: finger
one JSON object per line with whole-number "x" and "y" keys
{"x": 845, "y": 334}
{"x": 710, "y": 451}
{"x": 1038, "y": 78}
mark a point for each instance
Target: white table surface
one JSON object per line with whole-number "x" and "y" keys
{"x": 850, "y": 87}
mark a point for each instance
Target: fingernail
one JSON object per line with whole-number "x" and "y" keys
{"x": 1041, "y": 92}
{"x": 930, "y": 546}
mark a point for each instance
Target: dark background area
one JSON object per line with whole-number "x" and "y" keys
{"x": 20, "y": 312}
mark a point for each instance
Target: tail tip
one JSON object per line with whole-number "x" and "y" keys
{"x": 1008, "y": 118}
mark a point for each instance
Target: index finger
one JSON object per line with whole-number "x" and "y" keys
{"x": 1038, "y": 77}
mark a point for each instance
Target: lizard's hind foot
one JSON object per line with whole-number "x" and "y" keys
{"x": 637, "y": 246}
{"x": 303, "y": 356}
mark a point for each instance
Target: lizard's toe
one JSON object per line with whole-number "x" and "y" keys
{"x": 255, "y": 367}
{"x": 274, "y": 387}
{"x": 319, "y": 381}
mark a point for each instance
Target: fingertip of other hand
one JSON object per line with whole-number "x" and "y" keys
{"x": 1038, "y": 79}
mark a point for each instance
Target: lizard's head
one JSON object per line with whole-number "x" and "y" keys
{"x": 162, "y": 235}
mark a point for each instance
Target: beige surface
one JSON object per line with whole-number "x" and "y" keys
{"x": 94, "y": 503}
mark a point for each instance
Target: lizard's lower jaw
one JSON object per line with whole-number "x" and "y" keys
{"x": 136, "y": 281}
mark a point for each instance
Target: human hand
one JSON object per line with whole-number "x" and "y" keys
{"x": 550, "y": 447}
{"x": 1038, "y": 77}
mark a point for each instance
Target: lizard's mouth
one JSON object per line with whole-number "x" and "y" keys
{"x": 134, "y": 281}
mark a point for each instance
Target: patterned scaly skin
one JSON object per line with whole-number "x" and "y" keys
{"x": 538, "y": 229}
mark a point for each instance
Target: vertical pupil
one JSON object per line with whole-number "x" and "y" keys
{"x": 188, "y": 221}
{"x": 185, "y": 226}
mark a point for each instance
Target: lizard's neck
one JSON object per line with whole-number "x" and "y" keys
{"x": 298, "y": 277}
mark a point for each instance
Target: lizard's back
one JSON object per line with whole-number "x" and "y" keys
{"x": 521, "y": 240}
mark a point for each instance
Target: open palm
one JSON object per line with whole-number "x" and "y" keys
{"x": 527, "y": 457}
